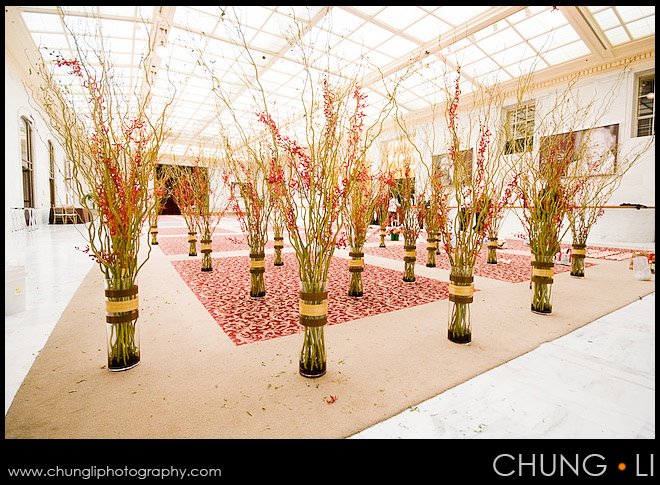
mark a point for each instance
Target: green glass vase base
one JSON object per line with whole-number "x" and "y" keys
{"x": 311, "y": 375}
{"x": 119, "y": 368}
{"x": 459, "y": 339}
{"x": 541, "y": 312}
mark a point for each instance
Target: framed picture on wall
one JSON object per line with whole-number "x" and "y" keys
{"x": 444, "y": 163}
{"x": 596, "y": 147}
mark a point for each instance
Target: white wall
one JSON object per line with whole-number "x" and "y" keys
{"x": 615, "y": 91}
{"x": 17, "y": 105}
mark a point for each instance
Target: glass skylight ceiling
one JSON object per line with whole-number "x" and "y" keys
{"x": 488, "y": 43}
{"x": 623, "y": 24}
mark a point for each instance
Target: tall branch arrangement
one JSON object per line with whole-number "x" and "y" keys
{"x": 594, "y": 190}
{"x": 434, "y": 189}
{"x": 367, "y": 193}
{"x": 112, "y": 142}
{"x": 249, "y": 199}
{"x": 436, "y": 213}
{"x": 500, "y": 175}
{"x": 159, "y": 196}
{"x": 398, "y": 156}
{"x": 310, "y": 185}
{"x": 211, "y": 205}
{"x": 279, "y": 226}
{"x": 475, "y": 190}
{"x": 547, "y": 182}
{"x": 183, "y": 193}
{"x": 384, "y": 184}
{"x": 311, "y": 180}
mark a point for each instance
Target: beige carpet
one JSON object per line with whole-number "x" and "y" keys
{"x": 194, "y": 383}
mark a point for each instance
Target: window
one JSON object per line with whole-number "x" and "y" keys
{"x": 520, "y": 129}
{"x": 51, "y": 158}
{"x": 27, "y": 162}
{"x": 645, "y": 105}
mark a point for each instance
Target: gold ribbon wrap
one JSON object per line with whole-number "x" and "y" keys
{"x": 121, "y": 306}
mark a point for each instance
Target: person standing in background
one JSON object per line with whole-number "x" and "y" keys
{"x": 392, "y": 209}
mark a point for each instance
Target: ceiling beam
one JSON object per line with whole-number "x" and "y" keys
{"x": 492, "y": 16}
{"x": 587, "y": 28}
{"x": 161, "y": 21}
{"x": 89, "y": 14}
{"x": 401, "y": 33}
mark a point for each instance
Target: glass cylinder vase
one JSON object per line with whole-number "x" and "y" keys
{"x": 313, "y": 316}
{"x": 492, "y": 250}
{"x": 409, "y": 258}
{"x": 257, "y": 269}
{"x": 383, "y": 233}
{"x": 461, "y": 290}
{"x": 356, "y": 267}
{"x": 206, "y": 248}
{"x": 578, "y": 253}
{"x": 154, "y": 235}
{"x": 432, "y": 248}
{"x": 192, "y": 243}
{"x": 542, "y": 272}
{"x": 122, "y": 331}
{"x": 279, "y": 244}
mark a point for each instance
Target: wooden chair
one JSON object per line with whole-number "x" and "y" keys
{"x": 59, "y": 213}
{"x": 65, "y": 214}
{"x": 70, "y": 214}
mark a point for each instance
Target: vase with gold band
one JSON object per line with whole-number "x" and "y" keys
{"x": 432, "y": 248}
{"x": 461, "y": 289}
{"x": 492, "y": 249}
{"x": 356, "y": 267}
{"x": 409, "y": 258}
{"x": 257, "y": 269}
{"x": 279, "y": 244}
{"x": 313, "y": 309}
{"x": 122, "y": 331}
{"x": 192, "y": 243}
{"x": 578, "y": 253}
{"x": 382, "y": 234}
{"x": 206, "y": 249}
{"x": 154, "y": 235}
{"x": 542, "y": 278}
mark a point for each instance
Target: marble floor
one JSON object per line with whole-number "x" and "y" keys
{"x": 598, "y": 381}
{"x": 54, "y": 269}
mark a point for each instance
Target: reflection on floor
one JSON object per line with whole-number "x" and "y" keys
{"x": 54, "y": 269}
{"x": 598, "y": 381}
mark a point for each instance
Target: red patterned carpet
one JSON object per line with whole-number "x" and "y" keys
{"x": 184, "y": 230}
{"x": 175, "y": 245}
{"x": 513, "y": 268}
{"x": 224, "y": 292}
